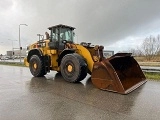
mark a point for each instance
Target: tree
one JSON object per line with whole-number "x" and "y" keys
{"x": 151, "y": 47}
{"x": 135, "y": 52}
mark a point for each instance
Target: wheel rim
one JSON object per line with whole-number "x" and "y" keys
{"x": 34, "y": 65}
{"x": 70, "y": 68}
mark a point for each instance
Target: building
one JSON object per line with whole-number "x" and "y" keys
{"x": 108, "y": 53}
{"x": 16, "y": 53}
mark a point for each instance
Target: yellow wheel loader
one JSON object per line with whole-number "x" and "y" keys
{"x": 120, "y": 73}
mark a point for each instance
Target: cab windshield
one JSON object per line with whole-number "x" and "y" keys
{"x": 66, "y": 34}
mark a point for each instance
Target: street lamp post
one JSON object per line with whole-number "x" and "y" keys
{"x": 20, "y": 40}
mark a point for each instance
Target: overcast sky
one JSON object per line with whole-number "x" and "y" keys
{"x": 117, "y": 24}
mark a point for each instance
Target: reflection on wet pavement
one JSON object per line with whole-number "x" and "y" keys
{"x": 23, "y": 96}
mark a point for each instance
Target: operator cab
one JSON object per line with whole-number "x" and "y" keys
{"x": 59, "y": 34}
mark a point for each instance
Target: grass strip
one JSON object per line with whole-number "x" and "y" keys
{"x": 152, "y": 76}
{"x": 12, "y": 63}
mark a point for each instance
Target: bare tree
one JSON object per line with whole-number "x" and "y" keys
{"x": 139, "y": 52}
{"x": 151, "y": 47}
{"x": 158, "y": 42}
{"x": 135, "y": 52}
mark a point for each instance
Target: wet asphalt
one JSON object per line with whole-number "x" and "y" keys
{"x": 24, "y": 97}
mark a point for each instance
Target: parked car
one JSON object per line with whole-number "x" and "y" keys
{"x": 4, "y": 58}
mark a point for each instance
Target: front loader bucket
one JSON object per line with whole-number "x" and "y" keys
{"x": 120, "y": 73}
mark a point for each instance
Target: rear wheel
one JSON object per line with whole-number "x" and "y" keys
{"x": 73, "y": 67}
{"x": 36, "y": 65}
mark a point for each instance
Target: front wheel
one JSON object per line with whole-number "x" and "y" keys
{"x": 36, "y": 65}
{"x": 73, "y": 67}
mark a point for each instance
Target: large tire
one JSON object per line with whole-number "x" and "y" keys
{"x": 36, "y": 65}
{"x": 73, "y": 67}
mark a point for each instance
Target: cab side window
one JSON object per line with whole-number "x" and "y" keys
{"x": 54, "y": 35}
